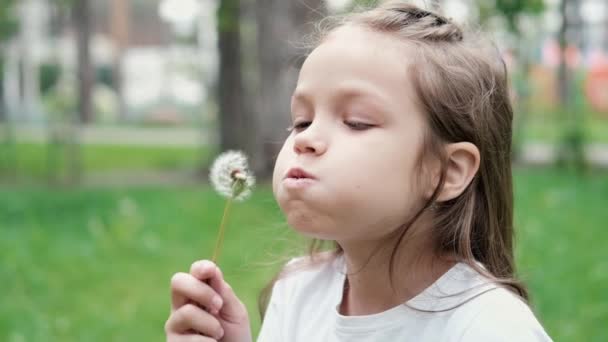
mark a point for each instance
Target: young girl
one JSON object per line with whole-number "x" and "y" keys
{"x": 399, "y": 154}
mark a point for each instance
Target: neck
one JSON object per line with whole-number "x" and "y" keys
{"x": 368, "y": 287}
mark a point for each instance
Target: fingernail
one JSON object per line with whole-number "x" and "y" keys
{"x": 220, "y": 334}
{"x": 217, "y": 302}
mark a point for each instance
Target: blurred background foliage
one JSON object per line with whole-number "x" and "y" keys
{"x": 110, "y": 112}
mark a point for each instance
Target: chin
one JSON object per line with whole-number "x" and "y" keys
{"x": 309, "y": 227}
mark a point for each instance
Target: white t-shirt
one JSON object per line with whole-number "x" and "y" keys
{"x": 304, "y": 308}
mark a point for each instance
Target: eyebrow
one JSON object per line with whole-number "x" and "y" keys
{"x": 345, "y": 92}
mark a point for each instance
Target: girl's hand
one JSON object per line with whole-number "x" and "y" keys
{"x": 204, "y": 307}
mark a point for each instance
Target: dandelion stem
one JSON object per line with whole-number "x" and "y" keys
{"x": 220, "y": 235}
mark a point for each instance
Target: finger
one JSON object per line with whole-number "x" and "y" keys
{"x": 208, "y": 272}
{"x": 178, "y": 299}
{"x": 203, "y": 269}
{"x": 185, "y": 288}
{"x": 192, "y": 318}
{"x": 213, "y": 276}
{"x": 189, "y": 338}
{"x": 233, "y": 309}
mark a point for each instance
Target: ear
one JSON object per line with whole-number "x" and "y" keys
{"x": 463, "y": 163}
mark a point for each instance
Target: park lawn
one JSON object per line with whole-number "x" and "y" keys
{"x": 561, "y": 220}
{"x": 94, "y": 264}
{"x": 30, "y": 160}
{"x": 550, "y": 130}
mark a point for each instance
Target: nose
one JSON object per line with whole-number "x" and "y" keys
{"x": 309, "y": 141}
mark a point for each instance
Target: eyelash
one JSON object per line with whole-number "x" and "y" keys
{"x": 357, "y": 126}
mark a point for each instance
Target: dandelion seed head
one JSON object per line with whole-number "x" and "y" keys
{"x": 231, "y": 177}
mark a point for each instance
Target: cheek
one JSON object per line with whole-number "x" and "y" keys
{"x": 379, "y": 210}
{"x": 280, "y": 166}
{"x": 390, "y": 189}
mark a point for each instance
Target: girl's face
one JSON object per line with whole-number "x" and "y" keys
{"x": 358, "y": 134}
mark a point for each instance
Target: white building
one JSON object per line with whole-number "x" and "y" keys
{"x": 153, "y": 64}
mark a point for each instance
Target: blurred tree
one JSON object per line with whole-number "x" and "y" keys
{"x": 605, "y": 45}
{"x": 362, "y": 3}
{"x": 119, "y": 26}
{"x": 8, "y": 27}
{"x": 511, "y": 10}
{"x": 232, "y": 119}
{"x": 8, "y": 21}
{"x": 435, "y": 5}
{"x": 69, "y": 102}
{"x": 279, "y": 25}
{"x": 515, "y": 13}
{"x": 254, "y": 118}
{"x": 571, "y": 149}
{"x": 63, "y": 159}
{"x": 50, "y": 72}
{"x": 81, "y": 16}
{"x": 8, "y": 155}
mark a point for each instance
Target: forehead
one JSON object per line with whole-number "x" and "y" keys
{"x": 354, "y": 57}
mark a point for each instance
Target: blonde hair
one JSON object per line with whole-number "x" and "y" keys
{"x": 461, "y": 85}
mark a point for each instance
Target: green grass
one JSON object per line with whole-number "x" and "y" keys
{"x": 29, "y": 160}
{"x": 95, "y": 264}
{"x": 561, "y": 252}
{"x": 550, "y": 130}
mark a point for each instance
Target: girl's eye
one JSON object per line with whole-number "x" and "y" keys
{"x": 358, "y": 126}
{"x": 298, "y": 126}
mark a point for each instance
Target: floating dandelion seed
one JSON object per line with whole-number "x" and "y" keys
{"x": 231, "y": 178}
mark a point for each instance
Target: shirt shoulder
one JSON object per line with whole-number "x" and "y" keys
{"x": 302, "y": 298}
{"x": 303, "y": 275}
{"x": 497, "y": 315}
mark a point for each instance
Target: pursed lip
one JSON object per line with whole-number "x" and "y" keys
{"x": 298, "y": 173}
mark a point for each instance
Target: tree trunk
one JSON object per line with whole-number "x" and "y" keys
{"x": 280, "y": 24}
{"x": 571, "y": 149}
{"x": 232, "y": 118}
{"x": 119, "y": 20}
{"x": 3, "y": 114}
{"x": 8, "y": 154}
{"x": 563, "y": 89}
{"x": 522, "y": 104}
{"x": 81, "y": 12}
{"x": 81, "y": 17}
{"x": 605, "y": 27}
